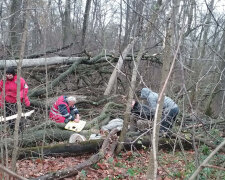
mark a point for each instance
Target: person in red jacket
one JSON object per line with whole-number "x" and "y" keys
{"x": 64, "y": 110}
{"x": 10, "y": 93}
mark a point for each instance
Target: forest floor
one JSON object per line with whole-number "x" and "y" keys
{"x": 127, "y": 165}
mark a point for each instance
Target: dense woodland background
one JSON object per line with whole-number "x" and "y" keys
{"x": 71, "y": 47}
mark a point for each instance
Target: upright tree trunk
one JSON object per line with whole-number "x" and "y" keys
{"x": 133, "y": 82}
{"x": 85, "y": 23}
{"x": 131, "y": 19}
{"x": 166, "y": 58}
{"x": 196, "y": 93}
{"x": 67, "y": 24}
{"x": 168, "y": 64}
{"x": 216, "y": 101}
{"x": 15, "y": 26}
{"x": 16, "y": 131}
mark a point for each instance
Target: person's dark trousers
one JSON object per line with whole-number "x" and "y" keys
{"x": 11, "y": 109}
{"x": 168, "y": 119}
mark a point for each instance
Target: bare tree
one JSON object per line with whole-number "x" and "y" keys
{"x": 67, "y": 24}
{"x": 16, "y": 131}
{"x": 85, "y": 22}
{"x": 168, "y": 65}
{"x": 15, "y": 26}
{"x": 145, "y": 38}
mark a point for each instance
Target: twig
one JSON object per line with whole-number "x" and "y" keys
{"x": 215, "y": 167}
{"x": 201, "y": 166}
{"x": 11, "y": 173}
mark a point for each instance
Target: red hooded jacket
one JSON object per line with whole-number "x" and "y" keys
{"x": 11, "y": 91}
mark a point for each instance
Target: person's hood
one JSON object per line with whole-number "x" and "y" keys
{"x": 145, "y": 92}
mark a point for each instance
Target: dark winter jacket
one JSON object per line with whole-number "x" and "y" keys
{"x": 142, "y": 111}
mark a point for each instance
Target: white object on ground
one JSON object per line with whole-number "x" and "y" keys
{"x": 115, "y": 123}
{"x": 74, "y": 138}
{"x": 95, "y": 136}
{"x": 2, "y": 119}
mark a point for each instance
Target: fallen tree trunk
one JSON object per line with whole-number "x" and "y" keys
{"x": 92, "y": 146}
{"x": 42, "y": 61}
{"x": 108, "y": 146}
{"x": 64, "y": 150}
{"x": 118, "y": 67}
{"x": 31, "y": 62}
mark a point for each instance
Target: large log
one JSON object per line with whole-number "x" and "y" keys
{"x": 108, "y": 147}
{"x": 41, "y": 61}
{"x": 69, "y": 60}
{"x": 92, "y": 146}
{"x": 64, "y": 149}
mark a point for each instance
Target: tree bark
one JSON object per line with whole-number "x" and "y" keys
{"x": 168, "y": 64}
{"x": 66, "y": 24}
{"x": 118, "y": 67}
{"x": 91, "y": 146}
{"x": 85, "y": 23}
{"x": 15, "y": 26}
{"x": 41, "y": 61}
{"x": 16, "y": 130}
{"x": 41, "y": 91}
{"x": 74, "y": 149}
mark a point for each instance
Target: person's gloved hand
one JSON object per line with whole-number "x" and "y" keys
{"x": 76, "y": 120}
{"x": 66, "y": 121}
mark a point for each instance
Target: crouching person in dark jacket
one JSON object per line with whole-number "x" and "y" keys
{"x": 170, "y": 108}
{"x": 140, "y": 112}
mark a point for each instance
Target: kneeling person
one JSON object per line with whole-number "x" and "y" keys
{"x": 64, "y": 110}
{"x": 170, "y": 108}
{"x": 142, "y": 111}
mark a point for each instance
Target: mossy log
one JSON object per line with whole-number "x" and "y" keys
{"x": 92, "y": 146}
{"x": 36, "y": 138}
{"x": 64, "y": 150}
